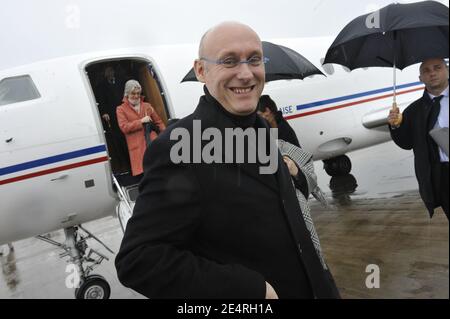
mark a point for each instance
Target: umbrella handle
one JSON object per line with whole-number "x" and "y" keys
{"x": 399, "y": 119}
{"x": 395, "y": 67}
{"x": 395, "y": 83}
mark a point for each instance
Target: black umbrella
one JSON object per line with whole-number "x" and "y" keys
{"x": 397, "y": 36}
{"x": 284, "y": 64}
{"x": 148, "y": 128}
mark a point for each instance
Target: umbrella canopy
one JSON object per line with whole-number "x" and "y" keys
{"x": 397, "y": 35}
{"x": 284, "y": 64}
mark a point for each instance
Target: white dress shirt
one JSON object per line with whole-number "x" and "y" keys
{"x": 442, "y": 120}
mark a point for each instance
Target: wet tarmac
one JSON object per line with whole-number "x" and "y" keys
{"x": 375, "y": 217}
{"x": 34, "y": 269}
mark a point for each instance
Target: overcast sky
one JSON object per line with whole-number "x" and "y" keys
{"x": 31, "y": 30}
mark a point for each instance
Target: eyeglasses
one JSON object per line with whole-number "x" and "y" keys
{"x": 233, "y": 62}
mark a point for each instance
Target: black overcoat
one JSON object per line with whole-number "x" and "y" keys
{"x": 413, "y": 134}
{"x": 217, "y": 230}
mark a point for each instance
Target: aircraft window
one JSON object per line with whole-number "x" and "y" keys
{"x": 17, "y": 89}
{"x": 328, "y": 68}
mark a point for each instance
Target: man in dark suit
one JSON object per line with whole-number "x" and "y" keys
{"x": 110, "y": 94}
{"x": 410, "y": 130}
{"x": 213, "y": 229}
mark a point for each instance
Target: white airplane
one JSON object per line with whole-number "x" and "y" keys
{"x": 55, "y": 170}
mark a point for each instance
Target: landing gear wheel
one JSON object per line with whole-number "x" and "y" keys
{"x": 93, "y": 287}
{"x": 338, "y": 166}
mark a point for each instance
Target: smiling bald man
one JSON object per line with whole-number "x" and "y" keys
{"x": 221, "y": 229}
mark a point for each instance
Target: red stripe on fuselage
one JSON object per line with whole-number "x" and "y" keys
{"x": 349, "y": 104}
{"x": 54, "y": 170}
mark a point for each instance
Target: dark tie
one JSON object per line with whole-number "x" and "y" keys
{"x": 435, "y": 110}
{"x": 432, "y": 118}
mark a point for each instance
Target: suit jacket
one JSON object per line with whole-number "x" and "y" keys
{"x": 217, "y": 230}
{"x": 130, "y": 124}
{"x": 109, "y": 98}
{"x": 413, "y": 134}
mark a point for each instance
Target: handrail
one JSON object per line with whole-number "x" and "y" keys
{"x": 121, "y": 194}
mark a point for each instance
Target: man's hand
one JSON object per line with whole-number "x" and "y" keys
{"x": 395, "y": 117}
{"x": 145, "y": 119}
{"x": 293, "y": 169}
{"x": 270, "y": 292}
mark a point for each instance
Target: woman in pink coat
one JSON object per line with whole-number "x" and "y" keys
{"x": 132, "y": 116}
